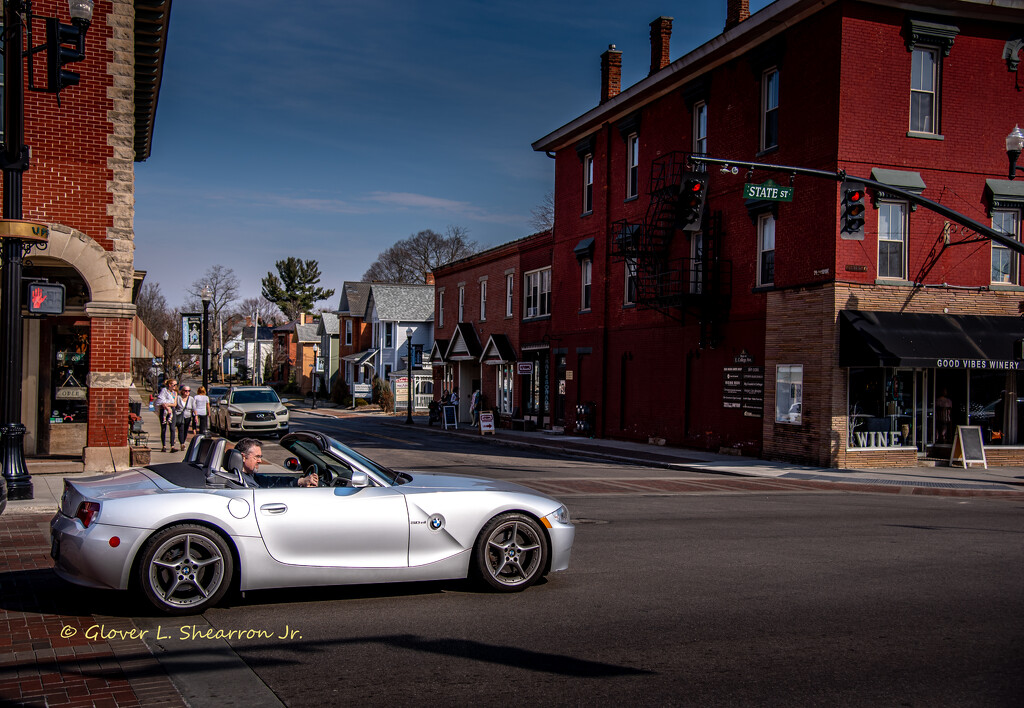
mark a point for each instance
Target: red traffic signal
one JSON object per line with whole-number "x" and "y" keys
{"x": 851, "y": 225}
{"x": 45, "y": 298}
{"x": 692, "y": 195}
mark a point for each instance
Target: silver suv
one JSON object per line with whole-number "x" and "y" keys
{"x": 250, "y": 410}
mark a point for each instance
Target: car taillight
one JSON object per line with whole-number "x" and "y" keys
{"x": 87, "y": 512}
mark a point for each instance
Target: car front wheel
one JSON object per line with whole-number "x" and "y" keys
{"x": 511, "y": 552}
{"x": 185, "y": 569}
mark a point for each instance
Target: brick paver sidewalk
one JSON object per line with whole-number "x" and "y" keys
{"x": 51, "y": 651}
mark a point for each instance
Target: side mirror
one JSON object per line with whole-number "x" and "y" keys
{"x": 359, "y": 479}
{"x": 292, "y": 463}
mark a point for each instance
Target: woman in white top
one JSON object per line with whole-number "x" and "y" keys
{"x": 184, "y": 409}
{"x": 202, "y": 405}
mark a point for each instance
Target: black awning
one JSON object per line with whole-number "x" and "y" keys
{"x": 928, "y": 340}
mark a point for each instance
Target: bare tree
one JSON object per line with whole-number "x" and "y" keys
{"x": 223, "y": 284}
{"x": 151, "y": 307}
{"x": 270, "y": 314}
{"x": 542, "y": 217}
{"x": 413, "y": 259}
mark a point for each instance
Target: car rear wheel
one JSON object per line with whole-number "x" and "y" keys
{"x": 185, "y": 569}
{"x": 511, "y": 552}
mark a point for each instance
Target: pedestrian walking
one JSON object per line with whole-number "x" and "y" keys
{"x": 202, "y": 406}
{"x": 474, "y": 406}
{"x": 165, "y": 401}
{"x": 184, "y": 411}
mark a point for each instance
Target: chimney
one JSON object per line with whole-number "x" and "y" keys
{"x": 302, "y": 318}
{"x": 661, "y": 33}
{"x": 611, "y": 73}
{"x": 735, "y": 12}
{"x": 430, "y": 279}
{"x": 248, "y": 321}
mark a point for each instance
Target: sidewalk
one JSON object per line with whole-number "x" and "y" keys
{"x": 935, "y": 479}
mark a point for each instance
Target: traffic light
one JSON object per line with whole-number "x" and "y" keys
{"x": 851, "y": 225}
{"x": 59, "y": 35}
{"x": 692, "y": 194}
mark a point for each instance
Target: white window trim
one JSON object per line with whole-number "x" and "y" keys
{"x": 903, "y": 242}
{"x": 629, "y": 270}
{"x": 483, "y": 300}
{"x": 348, "y": 333}
{"x": 539, "y": 310}
{"x": 791, "y": 376}
{"x": 934, "y": 92}
{"x": 700, "y": 140}
{"x": 510, "y": 280}
{"x": 588, "y": 184}
{"x": 462, "y": 303}
{"x": 586, "y": 280}
{"x": 632, "y": 166}
{"x": 762, "y": 220}
{"x": 765, "y": 109}
{"x": 440, "y": 308}
{"x": 1014, "y": 276}
{"x": 389, "y": 335}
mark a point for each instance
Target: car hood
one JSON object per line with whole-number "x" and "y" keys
{"x": 457, "y": 482}
{"x": 253, "y": 407}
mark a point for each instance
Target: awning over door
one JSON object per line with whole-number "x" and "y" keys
{"x": 928, "y": 340}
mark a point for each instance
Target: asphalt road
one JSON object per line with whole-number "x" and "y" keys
{"x": 724, "y": 598}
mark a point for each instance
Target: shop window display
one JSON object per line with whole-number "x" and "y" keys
{"x": 69, "y": 399}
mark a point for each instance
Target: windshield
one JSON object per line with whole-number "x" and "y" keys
{"x": 266, "y": 395}
{"x": 388, "y": 475}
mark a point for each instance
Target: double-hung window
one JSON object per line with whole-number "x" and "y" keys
{"x": 462, "y": 303}
{"x": 700, "y": 127}
{"x": 588, "y": 184}
{"x": 1004, "y": 261}
{"x": 537, "y": 289}
{"x": 510, "y": 280}
{"x": 389, "y": 335}
{"x": 348, "y": 333}
{"x": 892, "y": 240}
{"x": 766, "y": 249}
{"x": 770, "y": 109}
{"x": 924, "y": 90}
{"x": 483, "y": 300}
{"x": 586, "y": 273}
{"x": 630, "y": 286}
{"x": 633, "y": 165}
{"x": 440, "y": 309}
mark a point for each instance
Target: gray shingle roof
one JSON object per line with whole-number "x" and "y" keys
{"x": 328, "y": 323}
{"x": 406, "y": 303}
{"x": 354, "y": 297}
{"x": 306, "y": 333}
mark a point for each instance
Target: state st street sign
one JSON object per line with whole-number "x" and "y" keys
{"x": 769, "y": 191}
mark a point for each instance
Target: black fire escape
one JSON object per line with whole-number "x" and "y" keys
{"x": 699, "y": 285}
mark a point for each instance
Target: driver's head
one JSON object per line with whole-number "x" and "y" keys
{"x": 252, "y": 454}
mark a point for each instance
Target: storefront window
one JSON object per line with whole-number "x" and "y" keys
{"x": 504, "y": 392}
{"x": 789, "y": 393}
{"x": 995, "y": 407}
{"x": 69, "y": 401}
{"x": 882, "y": 410}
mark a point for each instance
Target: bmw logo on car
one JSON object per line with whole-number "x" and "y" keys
{"x": 436, "y": 522}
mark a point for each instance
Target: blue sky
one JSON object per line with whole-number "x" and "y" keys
{"x": 330, "y": 129}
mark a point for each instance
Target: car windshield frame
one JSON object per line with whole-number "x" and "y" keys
{"x": 260, "y": 395}
{"x": 386, "y": 474}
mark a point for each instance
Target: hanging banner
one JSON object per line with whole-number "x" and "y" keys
{"x": 192, "y": 333}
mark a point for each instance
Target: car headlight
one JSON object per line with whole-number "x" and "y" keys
{"x": 234, "y": 412}
{"x": 561, "y": 515}
{"x": 282, "y": 413}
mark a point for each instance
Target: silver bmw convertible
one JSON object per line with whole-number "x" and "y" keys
{"x": 186, "y": 533}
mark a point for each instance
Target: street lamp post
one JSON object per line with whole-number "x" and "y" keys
{"x": 1014, "y": 144}
{"x": 206, "y": 294}
{"x": 167, "y": 336}
{"x": 316, "y": 356}
{"x": 14, "y": 160}
{"x": 408, "y": 365}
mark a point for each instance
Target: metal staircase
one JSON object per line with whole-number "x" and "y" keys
{"x": 700, "y": 285}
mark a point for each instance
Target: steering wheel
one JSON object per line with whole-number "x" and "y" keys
{"x": 315, "y": 469}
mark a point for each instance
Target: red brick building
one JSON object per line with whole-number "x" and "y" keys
{"x": 77, "y": 368}
{"x": 765, "y": 330}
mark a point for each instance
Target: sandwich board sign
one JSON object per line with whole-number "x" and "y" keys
{"x": 968, "y": 447}
{"x": 486, "y": 423}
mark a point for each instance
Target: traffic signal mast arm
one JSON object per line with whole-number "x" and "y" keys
{"x": 983, "y": 230}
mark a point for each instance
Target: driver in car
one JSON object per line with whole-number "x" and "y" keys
{"x": 252, "y": 455}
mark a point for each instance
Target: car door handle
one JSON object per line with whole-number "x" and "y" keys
{"x": 274, "y": 508}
